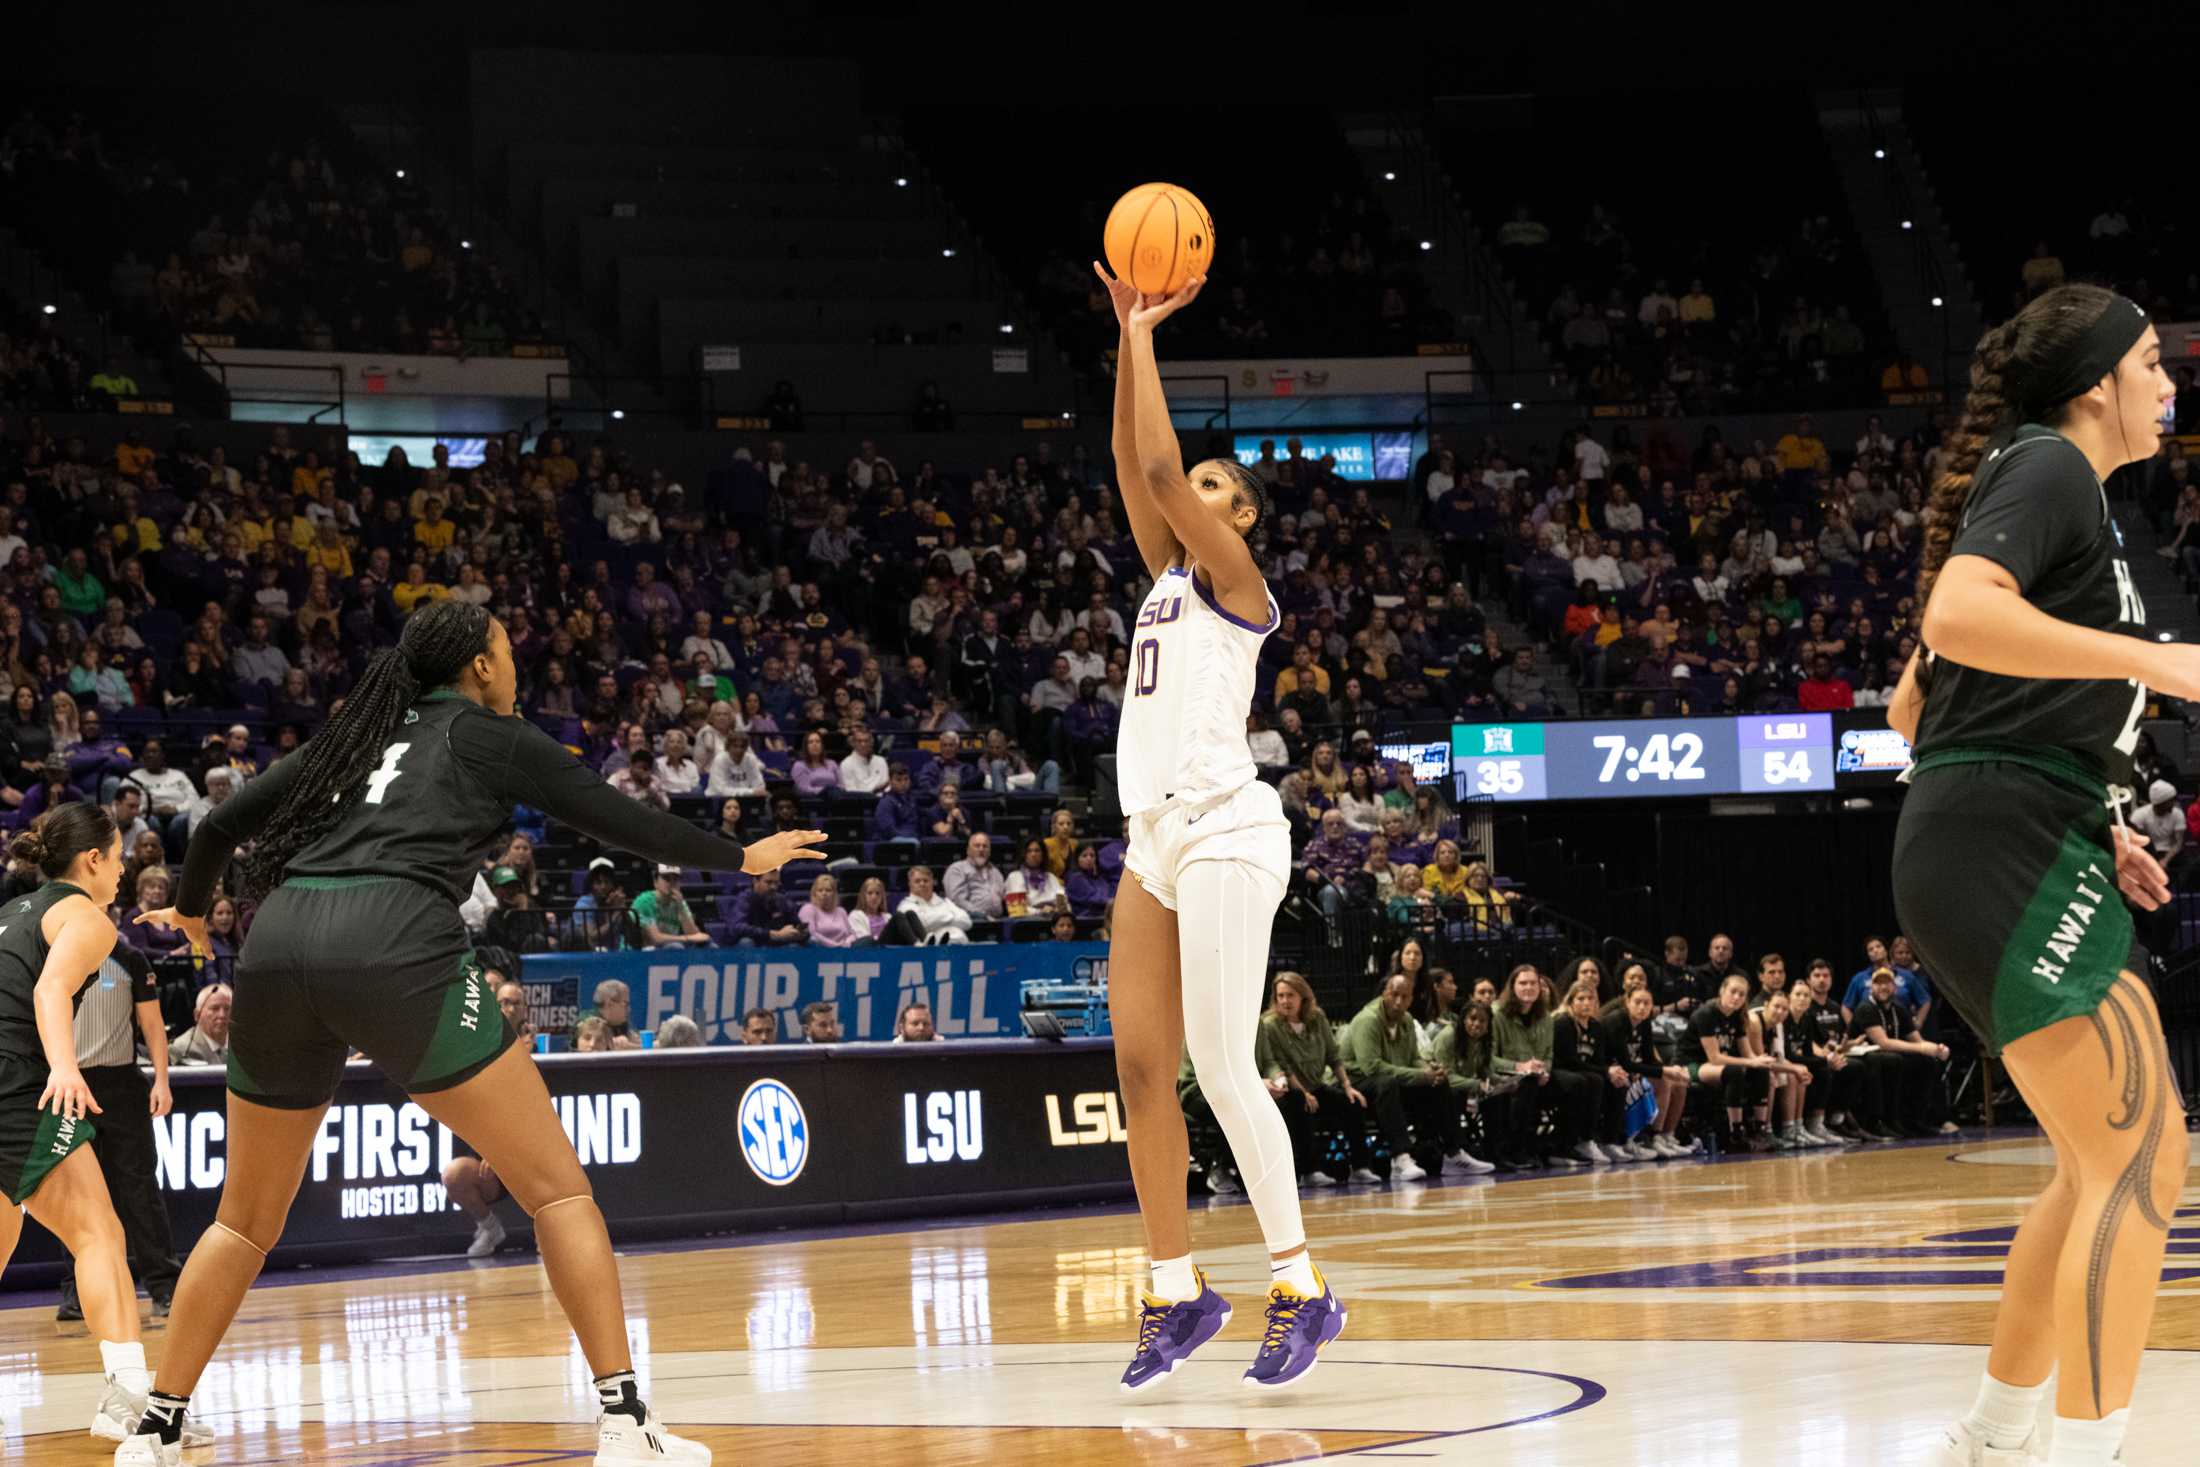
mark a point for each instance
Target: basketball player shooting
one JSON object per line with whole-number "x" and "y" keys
{"x": 1209, "y": 855}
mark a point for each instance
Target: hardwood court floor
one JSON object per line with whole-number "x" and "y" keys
{"x": 1827, "y": 1308}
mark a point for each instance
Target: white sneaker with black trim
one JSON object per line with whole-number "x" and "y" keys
{"x": 621, "y": 1441}
{"x": 118, "y": 1422}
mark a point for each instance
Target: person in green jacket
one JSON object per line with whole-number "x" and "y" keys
{"x": 1463, "y": 1050}
{"x": 81, "y": 591}
{"x": 1298, "y": 1055}
{"x": 1383, "y": 1045}
{"x": 1521, "y": 1037}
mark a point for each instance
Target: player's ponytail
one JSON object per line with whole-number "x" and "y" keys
{"x": 437, "y": 643}
{"x": 59, "y": 836}
{"x": 2017, "y": 365}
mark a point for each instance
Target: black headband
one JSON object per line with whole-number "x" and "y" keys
{"x": 2099, "y": 350}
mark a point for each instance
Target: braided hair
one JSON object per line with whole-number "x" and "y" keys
{"x": 2024, "y": 350}
{"x": 1250, "y": 488}
{"x": 437, "y": 643}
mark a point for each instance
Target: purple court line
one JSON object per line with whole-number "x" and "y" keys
{"x": 454, "y": 1263}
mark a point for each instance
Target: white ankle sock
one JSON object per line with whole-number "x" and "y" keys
{"x": 1173, "y": 1279}
{"x": 2087, "y": 1443}
{"x": 125, "y": 1361}
{"x": 2004, "y": 1414}
{"x": 1298, "y": 1272}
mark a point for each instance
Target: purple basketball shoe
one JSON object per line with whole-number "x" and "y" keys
{"x": 1169, "y": 1333}
{"x": 1298, "y": 1327}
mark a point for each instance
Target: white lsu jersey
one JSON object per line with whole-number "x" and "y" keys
{"x": 1192, "y": 673}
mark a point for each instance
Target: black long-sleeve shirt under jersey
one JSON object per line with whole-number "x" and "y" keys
{"x": 448, "y": 780}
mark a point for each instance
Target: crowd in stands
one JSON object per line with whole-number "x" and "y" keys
{"x": 286, "y": 241}
{"x": 1592, "y": 1067}
{"x": 1678, "y": 578}
{"x": 1784, "y": 315}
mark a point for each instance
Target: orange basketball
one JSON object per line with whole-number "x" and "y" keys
{"x": 1159, "y": 236}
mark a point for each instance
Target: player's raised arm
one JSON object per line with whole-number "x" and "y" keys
{"x": 1212, "y": 539}
{"x": 1157, "y": 543}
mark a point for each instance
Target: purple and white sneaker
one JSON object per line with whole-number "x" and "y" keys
{"x": 1298, "y": 1327}
{"x": 1169, "y": 1333}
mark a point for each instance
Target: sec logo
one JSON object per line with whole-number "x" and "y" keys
{"x": 775, "y": 1136}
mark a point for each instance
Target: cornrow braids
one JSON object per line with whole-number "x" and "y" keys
{"x": 2025, "y": 350}
{"x": 437, "y": 643}
{"x": 1255, "y": 489}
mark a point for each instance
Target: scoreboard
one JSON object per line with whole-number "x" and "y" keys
{"x": 1754, "y": 754}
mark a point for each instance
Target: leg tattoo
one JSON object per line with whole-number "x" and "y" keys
{"x": 2146, "y": 1086}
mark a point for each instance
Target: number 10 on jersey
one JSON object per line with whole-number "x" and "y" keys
{"x": 1147, "y": 673}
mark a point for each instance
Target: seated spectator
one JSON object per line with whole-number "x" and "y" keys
{"x": 514, "y": 924}
{"x": 1329, "y": 861}
{"x": 1631, "y": 1041}
{"x": 862, "y": 772}
{"x": 1008, "y": 770}
{"x": 206, "y": 1042}
{"x": 663, "y": 914}
{"x": 1359, "y": 803}
{"x": 1523, "y": 1039}
{"x": 154, "y": 939}
{"x": 1444, "y": 877}
{"x": 1487, "y": 907}
{"x": 1411, "y": 903}
{"x": 828, "y": 923}
{"x": 1033, "y": 889}
{"x": 949, "y": 819}
{"x": 820, "y": 1023}
{"x": 913, "y": 1025}
{"x": 762, "y": 916}
{"x": 1298, "y": 1055}
{"x": 599, "y": 917}
{"x": 975, "y": 884}
{"x": 1911, "y": 1064}
{"x": 941, "y": 919}
{"x": 638, "y": 781}
{"x": 512, "y": 1002}
{"x": 759, "y": 1026}
{"x": 737, "y": 771}
{"x": 1088, "y": 887}
{"x": 870, "y": 916}
{"x": 1381, "y": 1051}
{"x": 950, "y": 768}
{"x": 1521, "y": 689}
{"x": 677, "y": 773}
{"x": 612, "y": 1004}
{"x": 812, "y": 772}
{"x": 896, "y": 816}
{"x": 1825, "y": 690}
{"x": 679, "y": 1032}
{"x": 591, "y": 1036}
{"x": 1267, "y": 745}
{"x": 1463, "y": 1048}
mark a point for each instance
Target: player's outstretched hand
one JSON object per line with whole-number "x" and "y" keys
{"x": 68, "y": 1094}
{"x": 2138, "y": 875}
{"x": 1121, "y": 294}
{"x": 1154, "y": 309}
{"x": 191, "y": 927}
{"x": 775, "y": 851}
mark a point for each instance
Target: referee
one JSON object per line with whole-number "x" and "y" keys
{"x": 123, "y": 999}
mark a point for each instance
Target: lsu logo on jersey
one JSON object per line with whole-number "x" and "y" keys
{"x": 1161, "y": 613}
